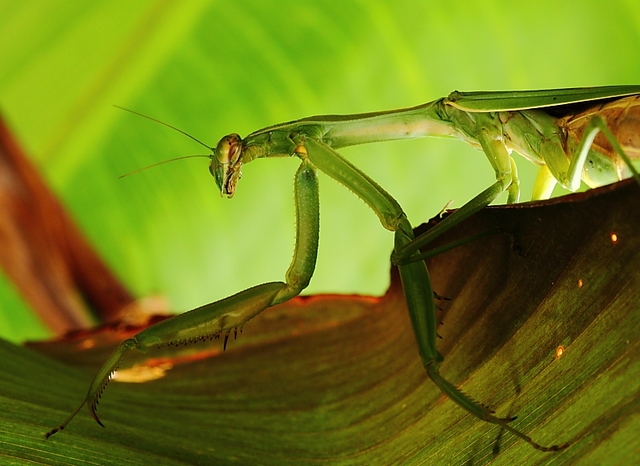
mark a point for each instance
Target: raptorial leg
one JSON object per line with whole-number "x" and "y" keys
{"x": 221, "y": 317}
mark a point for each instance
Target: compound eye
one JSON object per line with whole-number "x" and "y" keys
{"x": 227, "y": 148}
{"x": 226, "y": 163}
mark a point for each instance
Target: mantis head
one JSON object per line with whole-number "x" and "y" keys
{"x": 226, "y": 164}
{"x": 226, "y": 158}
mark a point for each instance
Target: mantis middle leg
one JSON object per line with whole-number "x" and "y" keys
{"x": 414, "y": 275}
{"x": 559, "y": 165}
{"x": 506, "y": 179}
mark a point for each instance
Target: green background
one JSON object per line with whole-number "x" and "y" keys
{"x": 212, "y": 68}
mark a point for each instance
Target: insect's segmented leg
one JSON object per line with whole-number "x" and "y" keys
{"x": 506, "y": 179}
{"x": 416, "y": 283}
{"x": 514, "y": 187}
{"x": 307, "y": 204}
{"x": 544, "y": 184}
{"x": 596, "y": 124}
{"x": 419, "y": 297}
{"x": 226, "y": 315}
{"x": 340, "y": 169}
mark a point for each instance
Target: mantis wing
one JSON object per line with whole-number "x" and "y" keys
{"x": 493, "y": 101}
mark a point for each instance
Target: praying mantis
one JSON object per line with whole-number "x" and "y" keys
{"x": 588, "y": 134}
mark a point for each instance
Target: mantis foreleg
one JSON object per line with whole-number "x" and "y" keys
{"x": 222, "y": 317}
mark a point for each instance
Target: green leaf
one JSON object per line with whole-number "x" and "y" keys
{"x": 337, "y": 378}
{"x": 213, "y": 68}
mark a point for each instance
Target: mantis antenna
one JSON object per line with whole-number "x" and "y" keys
{"x": 138, "y": 170}
{"x": 168, "y": 126}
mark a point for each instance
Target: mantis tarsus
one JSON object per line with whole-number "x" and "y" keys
{"x": 572, "y": 134}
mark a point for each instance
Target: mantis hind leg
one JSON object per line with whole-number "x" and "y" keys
{"x": 598, "y": 124}
{"x": 546, "y": 181}
{"x": 544, "y": 184}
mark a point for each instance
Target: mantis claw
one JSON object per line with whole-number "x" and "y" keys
{"x": 53, "y": 431}
{"x": 94, "y": 414}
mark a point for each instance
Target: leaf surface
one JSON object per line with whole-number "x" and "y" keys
{"x": 337, "y": 379}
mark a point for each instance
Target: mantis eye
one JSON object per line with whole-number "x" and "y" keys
{"x": 228, "y": 148}
{"x": 225, "y": 163}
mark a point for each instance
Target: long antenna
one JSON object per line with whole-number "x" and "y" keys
{"x": 138, "y": 170}
{"x": 168, "y": 126}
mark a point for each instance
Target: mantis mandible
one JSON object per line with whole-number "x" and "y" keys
{"x": 576, "y": 134}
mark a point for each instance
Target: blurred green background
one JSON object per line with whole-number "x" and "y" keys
{"x": 213, "y": 67}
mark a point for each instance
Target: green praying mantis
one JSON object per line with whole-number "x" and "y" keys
{"x": 588, "y": 134}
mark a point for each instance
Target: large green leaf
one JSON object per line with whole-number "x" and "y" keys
{"x": 217, "y": 67}
{"x": 337, "y": 379}
{"x": 347, "y": 385}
